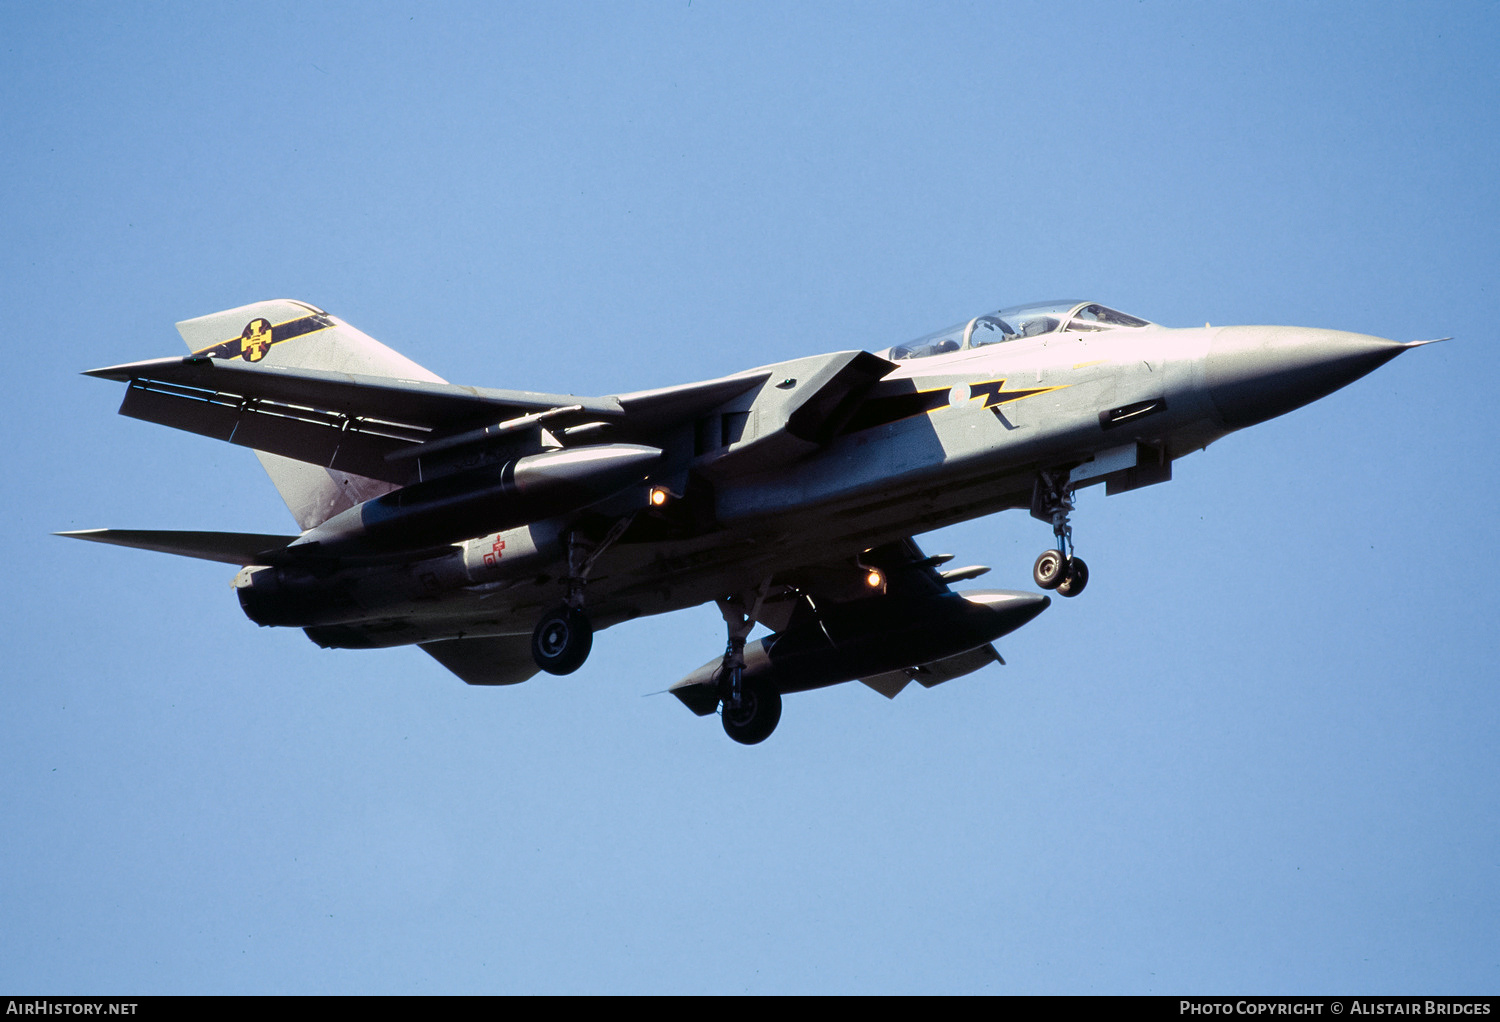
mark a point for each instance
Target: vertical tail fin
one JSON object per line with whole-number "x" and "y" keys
{"x": 295, "y": 335}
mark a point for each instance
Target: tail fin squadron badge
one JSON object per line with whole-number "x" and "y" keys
{"x": 256, "y": 340}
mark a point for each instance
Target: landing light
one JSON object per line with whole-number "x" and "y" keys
{"x": 658, "y": 496}
{"x": 874, "y": 579}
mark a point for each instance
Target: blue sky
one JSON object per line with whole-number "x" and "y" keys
{"x": 1257, "y": 756}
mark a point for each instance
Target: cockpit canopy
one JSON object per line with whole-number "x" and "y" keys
{"x": 1016, "y": 322}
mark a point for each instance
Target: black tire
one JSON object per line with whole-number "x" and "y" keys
{"x": 1050, "y": 569}
{"x": 757, "y": 716}
{"x": 562, "y": 640}
{"x": 1076, "y": 577}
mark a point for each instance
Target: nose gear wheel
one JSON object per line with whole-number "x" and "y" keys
{"x": 1050, "y": 569}
{"x": 1057, "y": 569}
{"x": 1074, "y": 578}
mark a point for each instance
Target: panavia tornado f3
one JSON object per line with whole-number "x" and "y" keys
{"x": 498, "y": 529}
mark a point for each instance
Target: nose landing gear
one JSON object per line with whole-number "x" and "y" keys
{"x": 1058, "y": 569}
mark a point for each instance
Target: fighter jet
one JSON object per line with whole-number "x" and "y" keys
{"x": 498, "y": 529}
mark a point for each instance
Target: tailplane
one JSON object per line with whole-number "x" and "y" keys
{"x": 294, "y": 335}
{"x": 229, "y": 547}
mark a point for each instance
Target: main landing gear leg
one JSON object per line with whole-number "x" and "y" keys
{"x": 1052, "y": 500}
{"x": 564, "y": 636}
{"x": 750, "y": 711}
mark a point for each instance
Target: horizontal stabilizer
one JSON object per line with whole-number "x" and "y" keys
{"x": 488, "y": 660}
{"x": 240, "y": 548}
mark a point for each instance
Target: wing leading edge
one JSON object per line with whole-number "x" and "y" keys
{"x": 343, "y": 421}
{"x": 376, "y": 427}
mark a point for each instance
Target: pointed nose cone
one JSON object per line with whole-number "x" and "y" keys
{"x": 1255, "y": 373}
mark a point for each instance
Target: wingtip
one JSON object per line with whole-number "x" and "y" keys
{"x": 126, "y": 371}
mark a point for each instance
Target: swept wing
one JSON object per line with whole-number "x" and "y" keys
{"x": 373, "y": 426}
